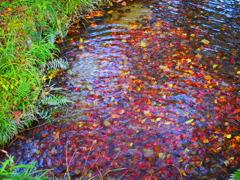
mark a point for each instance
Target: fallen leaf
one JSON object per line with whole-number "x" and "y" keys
{"x": 228, "y": 136}
{"x": 147, "y": 113}
{"x": 207, "y": 77}
{"x": 161, "y": 155}
{"x": 205, "y": 41}
{"x": 189, "y": 121}
{"x": 115, "y": 116}
{"x": 106, "y": 123}
{"x": 205, "y": 140}
{"x": 167, "y": 123}
{"x": 143, "y": 44}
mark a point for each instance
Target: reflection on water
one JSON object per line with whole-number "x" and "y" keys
{"x": 155, "y": 87}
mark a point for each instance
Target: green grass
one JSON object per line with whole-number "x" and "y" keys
{"x": 235, "y": 175}
{"x": 10, "y": 171}
{"x": 27, "y": 35}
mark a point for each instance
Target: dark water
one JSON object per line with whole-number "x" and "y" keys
{"x": 156, "y": 92}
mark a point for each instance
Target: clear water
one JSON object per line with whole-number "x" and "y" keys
{"x": 155, "y": 87}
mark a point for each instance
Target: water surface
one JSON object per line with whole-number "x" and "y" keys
{"x": 155, "y": 91}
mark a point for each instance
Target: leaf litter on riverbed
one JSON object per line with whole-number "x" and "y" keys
{"x": 158, "y": 107}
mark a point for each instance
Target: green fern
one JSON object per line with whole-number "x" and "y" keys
{"x": 44, "y": 114}
{"x": 53, "y": 100}
{"x": 23, "y": 89}
{"x": 57, "y": 63}
{"x": 7, "y": 131}
{"x": 235, "y": 175}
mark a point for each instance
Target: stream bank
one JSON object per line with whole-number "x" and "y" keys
{"x": 156, "y": 97}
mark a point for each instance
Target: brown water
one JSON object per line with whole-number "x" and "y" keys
{"x": 155, "y": 86}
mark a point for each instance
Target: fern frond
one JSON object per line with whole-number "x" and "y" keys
{"x": 57, "y": 63}
{"x": 45, "y": 114}
{"x": 8, "y": 131}
{"x": 55, "y": 100}
{"x": 23, "y": 89}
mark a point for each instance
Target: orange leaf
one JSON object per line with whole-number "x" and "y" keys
{"x": 207, "y": 77}
{"x": 109, "y": 12}
{"x": 115, "y": 116}
{"x": 205, "y": 140}
{"x": 94, "y": 25}
{"x": 182, "y": 172}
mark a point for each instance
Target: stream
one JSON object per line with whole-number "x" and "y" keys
{"x": 155, "y": 86}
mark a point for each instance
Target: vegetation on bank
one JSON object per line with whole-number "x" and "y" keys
{"x": 27, "y": 37}
{"x": 29, "y": 59}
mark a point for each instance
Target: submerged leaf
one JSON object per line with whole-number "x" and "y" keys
{"x": 205, "y": 41}
{"x": 189, "y": 121}
{"x": 143, "y": 44}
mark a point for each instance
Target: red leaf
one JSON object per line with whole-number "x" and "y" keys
{"x": 232, "y": 60}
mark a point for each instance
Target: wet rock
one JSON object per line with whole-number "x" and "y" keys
{"x": 148, "y": 153}
{"x": 133, "y": 151}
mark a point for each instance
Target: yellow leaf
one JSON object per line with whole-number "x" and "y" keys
{"x": 81, "y": 40}
{"x": 167, "y": 123}
{"x": 228, "y": 136}
{"x": 180, "y": 160}
{"x": 205, "y": 41}
{"x": 198, "y": 56}
{"x": 106, "y": 123}
{"x": 112, "y": 98}
{"x": 146, "y": 113}
{"x": 143, "y": 121}
{"x": 192, "y": 35}
{"x": 189, "y": 121}
{"x": 80, "y": 124}
{"x": 109, "y": 12}
{"x": 130, "y": 144}
{"x": 143, "y": 44}
{"x": 237, "y": 138}
{"x": 238, "y": 72}
{"x": 126, "y": 73}
{"x": 38, "y": 152}
{"x": 170, "y": 85}
{"x": 226, "y": 163}
{"x": 161, "y": 155}
{"x": 158, "y": 119}
{"x": 215, "y": 65}
{"x": 81, "y": 47}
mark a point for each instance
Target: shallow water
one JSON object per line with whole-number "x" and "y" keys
{"x": 155, "y": 87}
